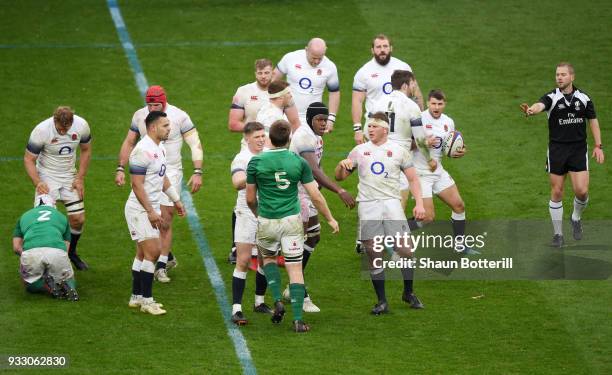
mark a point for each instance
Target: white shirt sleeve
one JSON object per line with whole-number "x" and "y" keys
{"x": 359, "y": 83}
{"x": 333, "y": 83}
{"x": 283, "y": 64}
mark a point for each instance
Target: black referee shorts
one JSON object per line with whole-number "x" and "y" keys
{"x": 567, "y": 157}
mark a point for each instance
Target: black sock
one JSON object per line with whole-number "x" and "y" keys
{"x": 408, "y": 276}
{"x": 233, "y": 229}
{"x": 261, "y": 284}
{"x": 170, "y": 256}
{"x": 74, "y": 240}
{"x": 136, "y": 287}
{"x": 458, "y": 227}
{"x": 237, "y": 289}
{"x": 412, "y": 224}
{"x": 146, "y": 282}
{"x": 305, "y": 256}
{"x": 378, "y": 281}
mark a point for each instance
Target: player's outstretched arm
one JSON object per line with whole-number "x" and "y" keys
{"x": 598, "y": 153}
{"x": 415, "y": 190}
{"x": 356, "y": 113}
{"x": 325, "y": 181}
{"x": 251, "y": 197}
{"x": 533, "y": 109}
{"x": 321, "y": 205}
{"x": 29, "y": 162}
{"x": 124, "y": 153}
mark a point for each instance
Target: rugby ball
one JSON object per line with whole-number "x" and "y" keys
{"x": 452, "y": 143}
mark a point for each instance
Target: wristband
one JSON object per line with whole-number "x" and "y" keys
{"x": 120, "y": 168}
{"x": 357, "y": 127}
{"x": 331, "y": 117}
{"x": 197, "y": 171}
{"x": 599, "y": 146}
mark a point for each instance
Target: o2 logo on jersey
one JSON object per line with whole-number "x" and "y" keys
{"x": 386, "y": 88}
{"x": 305, "y": 83}
{"x": 162, "y": 170}
{"x": 66, "y": 150}
{"x": 378, "y": 168}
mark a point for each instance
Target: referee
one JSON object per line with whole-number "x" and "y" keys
{"x": 569, "y": 109}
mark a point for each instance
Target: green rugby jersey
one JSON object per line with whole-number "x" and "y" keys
{"x": 43, "y": 226}
{"x": 277, "y": 173}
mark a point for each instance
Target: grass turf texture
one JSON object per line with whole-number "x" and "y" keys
{"x": 488, "y": 57}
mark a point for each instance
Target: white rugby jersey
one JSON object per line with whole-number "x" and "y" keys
{"x": 148, "y": 159}
{"x": 308, "y": 82}
{"x": 268, "y": 114}
{"x": 305, "y": 140}
{"x": 57, "y": 153}
{"x": 375, "y": 79}
{"x": 439, "y": 129}
{"x": 250, "y": 98}
{"x": 180, "y": 123}
{"x": 379, "y": 169}
{"x": 404, "y": 117}
{"x": 240, "y": 164}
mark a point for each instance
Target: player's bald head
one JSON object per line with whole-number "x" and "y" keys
{"x": 315, "y": 51}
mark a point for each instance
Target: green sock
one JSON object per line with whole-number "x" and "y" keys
{"x": 71, "y": 283}
{"x": 37, "y": 286}
{"x": 274, "y": 280}
{"x": 297, "y": 292}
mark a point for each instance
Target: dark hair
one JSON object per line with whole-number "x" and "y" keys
{"x": 399, "y": 77}
{"x": 152, "y": 117}
{"x": 277, "y": 86}
{"x": 381, "y": 37}
{"x": 379, "y": 116}
{"x": 252, "y": 126}
{"x": 262, "y": 63}
{"x": 63, "y": 116}
{"x": 436, "y": 94}
{"x": 280, "y": 131}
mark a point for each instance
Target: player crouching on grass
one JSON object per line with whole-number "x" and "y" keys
{"x": 142, "y": 209}
{"x": 380, "y": 211}
{"x": 41, "y": 239}
{"x": 272, "y": 194}
{"x": 246, "y": 227}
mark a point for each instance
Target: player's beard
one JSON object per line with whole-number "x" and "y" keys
{"x": 384, "y": 60}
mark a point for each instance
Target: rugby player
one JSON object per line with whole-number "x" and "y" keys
{"x": 379, "y": 164}
{"x": 272, "y": 195}
{"x": 308, "y": 72}
{"x": 148, "y": 166}
{"x": 181, "y": 129}
{"x": 50, "y": 160}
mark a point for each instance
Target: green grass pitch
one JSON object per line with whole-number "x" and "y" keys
{"x": 487, "y": 56}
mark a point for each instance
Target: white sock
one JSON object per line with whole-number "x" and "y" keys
{"x": 236, "y": 307}
{"x": 136, "y": 265}
{"x": 556, "y": 215}
{"x": 254, "y": 251}
{"x": 239, "y": 275}
{"x": 147, "y": 266}
{"x": 146, "y": 301}
{"x": 307, "y": 299}
{"x": 163, "y": 259}
{"x": 579, "y": 206}
{"x": 259, "y": 300}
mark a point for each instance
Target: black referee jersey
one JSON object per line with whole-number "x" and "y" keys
{"x": 568, "y": 115}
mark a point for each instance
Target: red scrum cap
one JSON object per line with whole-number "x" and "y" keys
{"x": 156, "y": 94}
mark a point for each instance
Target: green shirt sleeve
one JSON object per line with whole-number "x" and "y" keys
{"x": 251, "y": 171}
{"x": 306, "y": 172}
{"x": 17, "y": 231}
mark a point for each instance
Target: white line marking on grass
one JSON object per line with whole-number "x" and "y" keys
{"x": 240, "y": 344}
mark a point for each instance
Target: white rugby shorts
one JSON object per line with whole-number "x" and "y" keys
{"x": 34, "y": 262}
{"x": 434, "y": 183}
{"x": 246, "y": 226}
{"x": 381, "y": 218}
{"x": 285, "y": 235}
{"x": 61, "y": 189}
{"x": 139, "y": 225}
